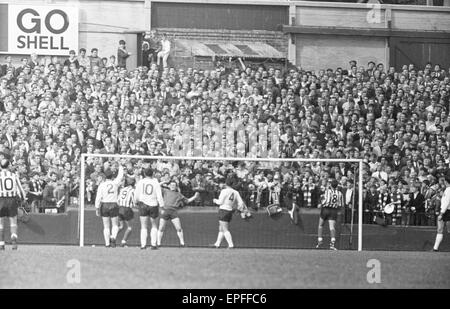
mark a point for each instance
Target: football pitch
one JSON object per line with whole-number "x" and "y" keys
{"x": 34, "y": 266}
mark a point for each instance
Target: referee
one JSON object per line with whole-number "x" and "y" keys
{"x": 10, "y": 192}
{"x": 333, "y": 200}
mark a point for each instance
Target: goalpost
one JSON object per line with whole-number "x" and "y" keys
{"x": 185, "y": 158}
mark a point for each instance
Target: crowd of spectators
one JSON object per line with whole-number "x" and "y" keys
{"x": 52, "y": 110}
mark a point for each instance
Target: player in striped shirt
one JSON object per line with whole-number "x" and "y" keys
{"x": 126, "y": 204}
{"x": 148, "y": 199}
{"x": 444, "y": 214}
{"x": 106, "y": 205}
{"x": 333, "y": 200}
{"x": 173, "y": 200}
{"x": 10, "y": 192}
{"x": 228, "y": 201}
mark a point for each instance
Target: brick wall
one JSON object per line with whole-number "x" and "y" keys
{"x": 181, "y": 58}
{"x": 184, "y": 62}
{"x": 315, "y": 52}
{"x": 274, "y": 38}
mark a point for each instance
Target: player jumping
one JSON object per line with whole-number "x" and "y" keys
{"x": 126, "y": 204}
{"x": 444, "y": 215}
{"x": 10, "y": 191}
{"x": 173, "y": 200}
{"x": 332, "y": 202}
{"x": 227, "y": 201}
{"x": 148, "y": 197}
{"x": 106, "y": 206}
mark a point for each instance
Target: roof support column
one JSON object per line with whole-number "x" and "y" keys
{"x": 292, "y": 50}
{"x": 148, "y": 14}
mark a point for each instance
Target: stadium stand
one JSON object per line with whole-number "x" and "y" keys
{"x": 397, "y": 121}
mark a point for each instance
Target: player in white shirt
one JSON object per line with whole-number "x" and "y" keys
{"x": 126, "y": 204}
{"x": 444, "y": 214}
{"x": 148, "y": 198}
{"x": 106, "y": 205}
{"x": 228, "y": 201}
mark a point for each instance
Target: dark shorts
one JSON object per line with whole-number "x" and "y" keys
{"x": 125, "y": 213}
{"x": 327, "y": 213}
{"x": 8, "y": 206}
{"x": 148, "y": 211}
{"x": 225, "y": 215}
{"x": 446, "y": 216}
{"x": 109, "y": 210}
{"x": 169, "y": 214}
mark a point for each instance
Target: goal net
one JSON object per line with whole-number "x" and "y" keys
{"x": 282, "y": 195}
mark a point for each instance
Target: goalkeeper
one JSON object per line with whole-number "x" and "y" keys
{"x": 173, "y": 200}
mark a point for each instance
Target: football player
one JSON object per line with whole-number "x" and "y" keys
{"x": 444, "y": 214}
{"x": 173, "y": 200}
{"x": 333, "y": 200}
{"x": 126, "y": 204}
{"x": 229, "y": 200}
{"x": 106, "y": 205}
{"x": 148, "y": 198}
{"x": 10, "y": 192}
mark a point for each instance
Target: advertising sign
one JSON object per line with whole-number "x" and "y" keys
{"x": 45, "y": 30}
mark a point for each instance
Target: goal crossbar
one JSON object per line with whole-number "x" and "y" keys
{"x": 181, "y": 158}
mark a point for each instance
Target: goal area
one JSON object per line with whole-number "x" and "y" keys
{"x": 294, "y": 185}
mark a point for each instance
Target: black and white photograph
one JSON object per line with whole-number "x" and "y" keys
{"x": 224, "y": 149}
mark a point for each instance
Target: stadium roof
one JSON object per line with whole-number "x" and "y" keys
{"x": 230, "y": 49}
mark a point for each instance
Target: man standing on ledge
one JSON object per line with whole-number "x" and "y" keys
{"x": 150, "y": 47}
{"x": 163, "y": 54}
{"x": 332, "y": 201}
{"x": 10, "y": 191}
{"x": 444, "y": 214}
{"x": 122, "y": 55}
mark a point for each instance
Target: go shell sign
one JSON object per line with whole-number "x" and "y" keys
{"x": 41, "y": 29}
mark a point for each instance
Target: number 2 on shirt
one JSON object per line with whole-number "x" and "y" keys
{"x": 110, "y": 189}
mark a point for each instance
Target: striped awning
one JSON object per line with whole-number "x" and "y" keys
{"x": 230, "y": 49}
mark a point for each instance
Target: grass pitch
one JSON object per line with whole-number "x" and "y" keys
{"x": 35, "y": 266}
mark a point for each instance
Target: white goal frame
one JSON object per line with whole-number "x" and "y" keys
{"x": 84, "y": 156}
